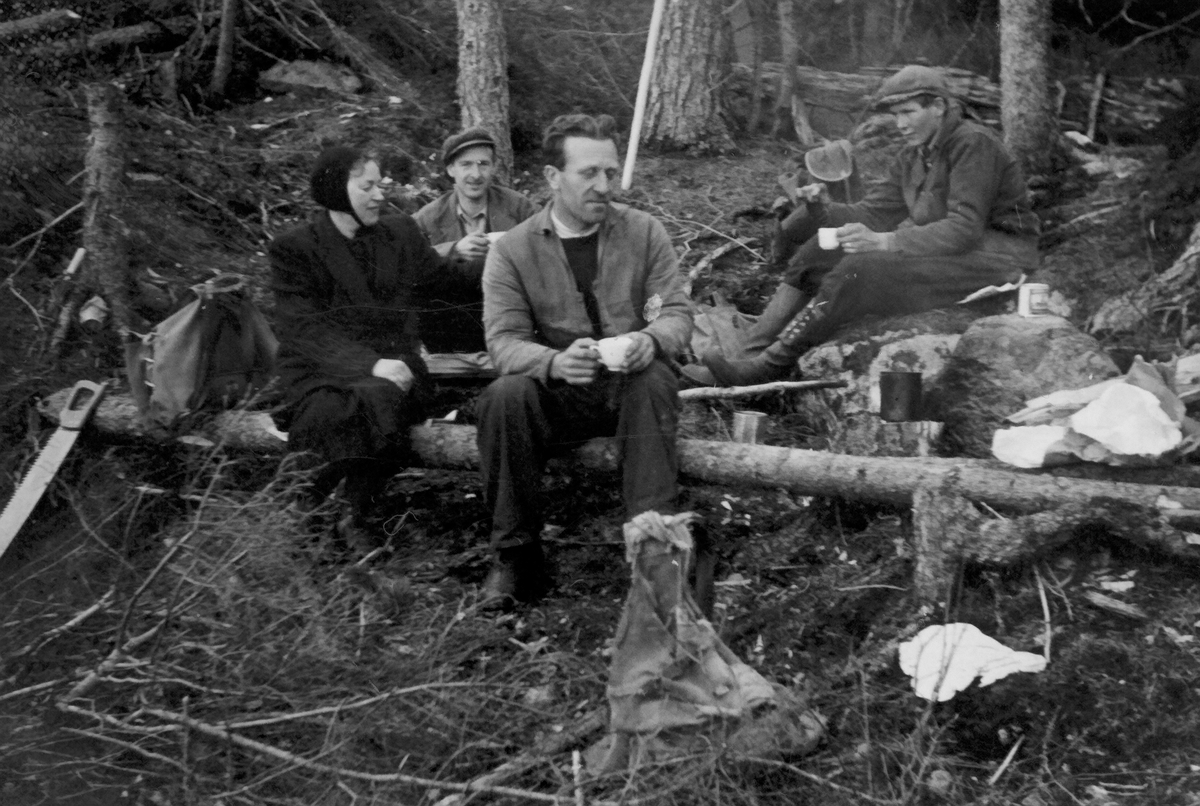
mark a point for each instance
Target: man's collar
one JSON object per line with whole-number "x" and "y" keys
{"x": 563, "y": 231}
{"x": 463, "y": 209}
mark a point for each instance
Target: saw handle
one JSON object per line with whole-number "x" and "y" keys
{"x": 84, "y": 397}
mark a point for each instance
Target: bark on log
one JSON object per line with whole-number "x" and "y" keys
{"x": 882, "y": 480}
{"x": 50, "y": 22}
{"x": 104, "y": 228}
{"x": 948, "y": 529}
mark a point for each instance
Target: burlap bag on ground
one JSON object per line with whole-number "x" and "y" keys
{"x": 673, "y": 683}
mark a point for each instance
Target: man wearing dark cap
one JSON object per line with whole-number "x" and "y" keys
{"x": 457, "y": 224}
{"x": 345, "y": 285}
{"x": 584, "y": 278}
{"x": 951, "y": 217}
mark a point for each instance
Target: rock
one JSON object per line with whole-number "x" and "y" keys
{"x": 1002, "y": 361}
{"x": 916, "y": 343}
{"x": 302, "y": 76}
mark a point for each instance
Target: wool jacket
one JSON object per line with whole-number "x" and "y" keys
{"x": 532, "y": 308}
{"x": 335, "y": 321}
{"x": 962, "y": 192}
{"x": 439, "y": 219}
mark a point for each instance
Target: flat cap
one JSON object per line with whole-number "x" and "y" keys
{"x": 463, "y": 140}
{"x": 911, "y": 81}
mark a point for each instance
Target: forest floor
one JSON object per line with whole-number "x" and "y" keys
{"x": 176, "y": 631}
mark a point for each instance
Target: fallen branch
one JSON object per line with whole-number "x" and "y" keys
{"x": 705, "y": 262}
{"x": 341, "y": 772}
{"x": 550, "y": 745}
{"x": 49, "y": 22}
{"x": 948, "y": 529}
{"x": 754, "y": 390}
{"x": 118, "y": 37}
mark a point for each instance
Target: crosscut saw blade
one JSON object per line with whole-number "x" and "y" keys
{"x": 84, "y": 398}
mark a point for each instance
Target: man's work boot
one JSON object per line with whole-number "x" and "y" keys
{"x": 773, "y": 364}
{"x": 782, "y": 308}
{"x": 518, "y": 574}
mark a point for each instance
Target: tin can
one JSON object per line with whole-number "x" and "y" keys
{"x": 748, "y": 426}
{"x": 1033, "y": 299}
{"x": 899, "y": 396}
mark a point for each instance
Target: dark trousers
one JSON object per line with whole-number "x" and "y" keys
{"x": 360, "y": 431}
{"x": 845, "y": 288}
{"x": 522, "y": 422}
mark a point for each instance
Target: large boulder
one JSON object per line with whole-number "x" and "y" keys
{"x": 848, "y": 418}
{"x": 304, "y": 76}
{"x": 998, "y": 364}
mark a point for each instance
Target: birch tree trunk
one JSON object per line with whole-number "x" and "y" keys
{"x": 1025, "y": 108}
{"x": 685, "y": 107}
{"x": 104, "y": 228}
{"x": 483, "y": 75}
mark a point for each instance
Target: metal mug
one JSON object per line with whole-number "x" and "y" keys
{"x": 899, "y": 396}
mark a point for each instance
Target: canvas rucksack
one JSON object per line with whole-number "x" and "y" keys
{"x": 212, "y": 353}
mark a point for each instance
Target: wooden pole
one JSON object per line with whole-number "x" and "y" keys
{"x": 639, "y": 106}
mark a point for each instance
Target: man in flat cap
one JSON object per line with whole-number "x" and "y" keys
{"x": 457, "y": 224}
{"x": 951, "y": 217}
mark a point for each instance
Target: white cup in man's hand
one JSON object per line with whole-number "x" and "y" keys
{"x": 827, "y": 238}
{"x": 613, "y": 351}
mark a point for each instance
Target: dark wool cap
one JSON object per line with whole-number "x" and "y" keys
{"x": 330, "y": 175}
{"x": 911, "y": 81}
{"x": 456, "y": 143}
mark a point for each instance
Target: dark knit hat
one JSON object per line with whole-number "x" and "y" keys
{"x": 330, "y": 176}
{"x": 911, "y": 81}
{"x": 457, "y": 143}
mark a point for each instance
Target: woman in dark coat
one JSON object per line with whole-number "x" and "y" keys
{"x": 346, "y": 285}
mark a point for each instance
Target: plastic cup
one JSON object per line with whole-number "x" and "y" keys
{"x": 827, "y": 238}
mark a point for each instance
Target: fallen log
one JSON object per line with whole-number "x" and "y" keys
{"x": 49, "y": 22}
{"x": 882, "y": 480}
{"x": 140, "y": 34}
{"x": 948, "y": 529}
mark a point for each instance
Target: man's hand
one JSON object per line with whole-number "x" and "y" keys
{"x": 394, "y": 370}
{"x": 640, "y": 353}
{"x": 858, "y": 238}
{"x": 816, "y": 193}
{"x": 472, "y": 247}
{"x": 578, "y": 364}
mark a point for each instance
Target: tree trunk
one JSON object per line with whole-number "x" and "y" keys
{"x": 224, "y": 62}
{"x": 685, "y": 109}
{"x": 789, "y": 53}
{"x": 104, "y": 227}
{"x": 1026, "y": 114}
{"x": 876, "y": 48}
{"x": 483, "y": 75}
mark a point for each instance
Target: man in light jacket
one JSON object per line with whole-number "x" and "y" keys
{"x": 583, "y": 269}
